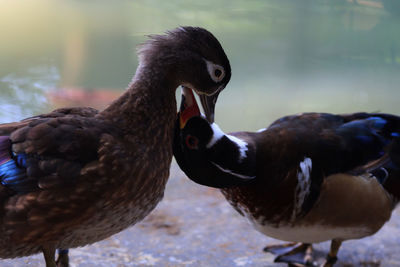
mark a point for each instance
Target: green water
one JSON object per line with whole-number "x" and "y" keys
{"x": 287, "y": 56}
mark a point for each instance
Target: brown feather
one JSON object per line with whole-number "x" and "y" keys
{"x": 96, "y": 173}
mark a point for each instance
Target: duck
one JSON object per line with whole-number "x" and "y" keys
{"x": 78, "y": 175}
{"x": 306, "y": 178}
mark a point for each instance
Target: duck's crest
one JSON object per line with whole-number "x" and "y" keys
{"x": 177, "y": 36}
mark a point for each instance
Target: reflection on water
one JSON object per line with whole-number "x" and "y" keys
{"x": 287, "y": 56}
{"x": 24, "y": 94}
{"x": 97, "y": 98}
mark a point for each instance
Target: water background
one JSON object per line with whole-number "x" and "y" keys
{"x": 287, "y": 56}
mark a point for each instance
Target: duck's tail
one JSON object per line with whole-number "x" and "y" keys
{"x": 392, "y": 167}
{"x": 387, "y": 168}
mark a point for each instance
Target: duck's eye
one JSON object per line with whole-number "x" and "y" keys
{"x": 192, "y": 142}
{"x": 216, "y": 71}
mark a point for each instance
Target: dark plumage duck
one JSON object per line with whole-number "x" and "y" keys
{"x": 306, "y": 178}
{"x": 76, "y": 175}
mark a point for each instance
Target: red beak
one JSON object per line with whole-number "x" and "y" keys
{"x": 189, "y": 107}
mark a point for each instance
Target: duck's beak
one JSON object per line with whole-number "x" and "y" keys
{"x": 208, "y": 103}
{"x": 189, "y": 107}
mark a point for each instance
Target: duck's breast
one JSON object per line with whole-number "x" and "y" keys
{"x": 349, "y": 207}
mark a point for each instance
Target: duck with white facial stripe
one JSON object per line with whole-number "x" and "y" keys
{"x": 211, "y": 140}
{"x": 307, "y": 178}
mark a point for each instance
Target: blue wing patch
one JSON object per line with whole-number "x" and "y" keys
{"x": 13, "y": 169}
{"x": 371, "y": 124}
{"x": 10, "y": 173}
{"x": 376, "y": 122}
{"x": 20, "y": 160}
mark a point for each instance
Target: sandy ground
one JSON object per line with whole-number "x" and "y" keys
{"x": 195, "y": 226}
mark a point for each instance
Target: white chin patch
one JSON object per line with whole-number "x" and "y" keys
{"x": 217, "y": 135}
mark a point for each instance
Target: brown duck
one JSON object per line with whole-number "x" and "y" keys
{"x": 75, "y": 176}
{"x": 306, "y": 178}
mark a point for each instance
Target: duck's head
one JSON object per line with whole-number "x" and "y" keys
{"x": 206, "y": 154}
{"x": 193, "y": 58}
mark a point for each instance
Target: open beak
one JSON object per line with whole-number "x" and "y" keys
{"x": 208, "y": 103}
{"x": 189, "y": 107}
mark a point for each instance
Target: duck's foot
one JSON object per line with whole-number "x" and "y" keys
{"x": 63, "y": 259}
{"x": 329, "y": 262}
{"x": 331, "y": 258}
{"x": 294, "y": 254}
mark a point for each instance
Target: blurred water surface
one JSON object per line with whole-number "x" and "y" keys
{"x": 287, "y": 56}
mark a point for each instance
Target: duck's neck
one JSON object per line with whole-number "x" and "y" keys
{"x": 238, "y": 157}
{"x": 148, "y": 107}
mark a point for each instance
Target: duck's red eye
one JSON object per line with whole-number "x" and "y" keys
{"x": 192, "y": 142}
{"x": 217, "y": 73}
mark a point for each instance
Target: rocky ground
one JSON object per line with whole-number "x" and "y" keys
{"x": 195, "y": 226}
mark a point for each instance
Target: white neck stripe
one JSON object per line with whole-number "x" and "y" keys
{"x": 241, "y": 144}
{"x": 233, "y": 173}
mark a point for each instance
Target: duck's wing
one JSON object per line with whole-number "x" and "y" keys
{"x": 324, "y": 145}
{"x": 339, "y": 143}
{"x": 48, "y": 150}
{"x": 7, "y": 128}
